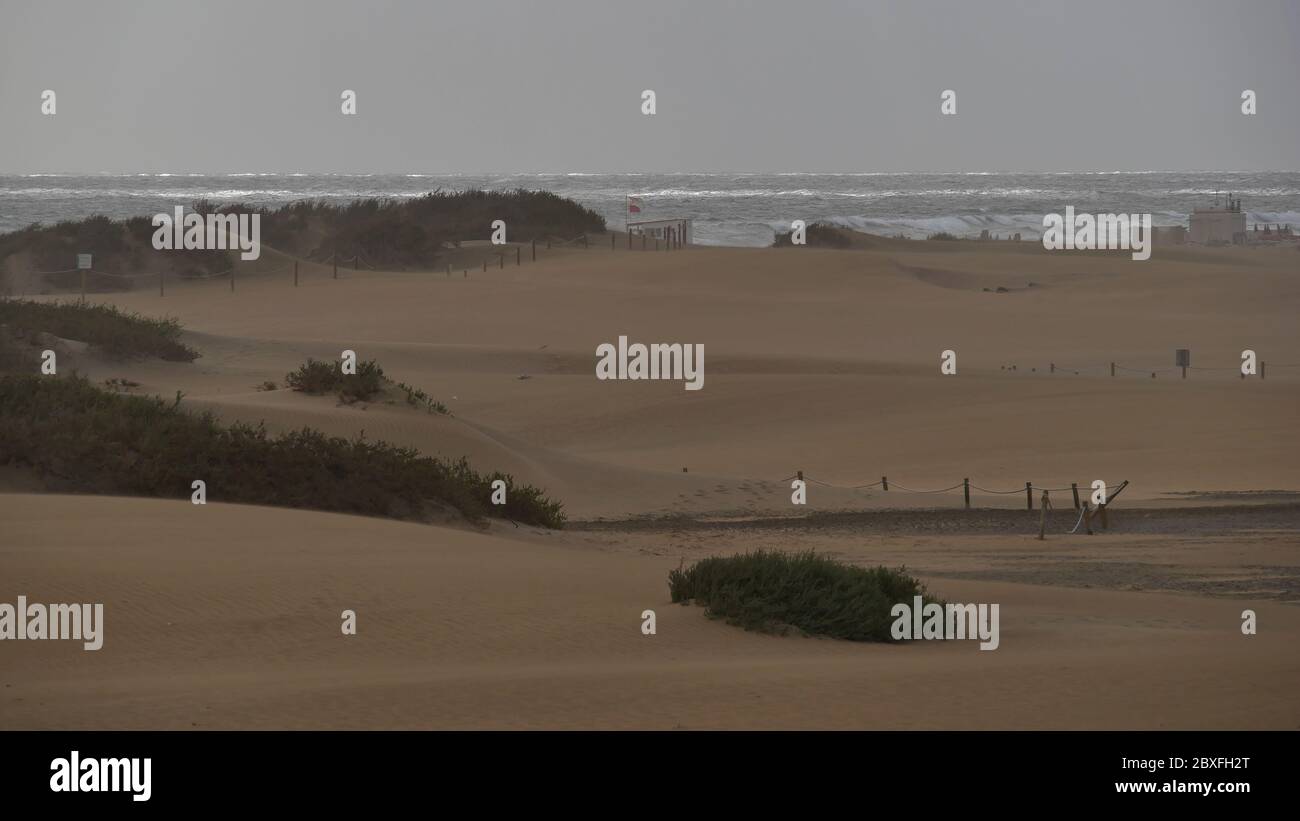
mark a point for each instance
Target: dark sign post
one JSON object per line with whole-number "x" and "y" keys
{"x": 1183, "y": 359}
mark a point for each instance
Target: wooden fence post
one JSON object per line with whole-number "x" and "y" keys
{"x": 1029, "y": 494}
{"x": 1112, "y": 370}
{"x": 966, "y": 491}
{"x": 884, "y": 480}
{"x": 1261, "y": 369}
{"x": 1074, "y": 486}
{"x": 1042, "y": 516}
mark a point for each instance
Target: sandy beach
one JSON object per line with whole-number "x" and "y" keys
{"x": 821, "y": 361}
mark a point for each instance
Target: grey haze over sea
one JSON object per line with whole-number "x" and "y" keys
{"x": 727, "y": 209}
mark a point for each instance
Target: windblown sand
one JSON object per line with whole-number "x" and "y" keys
{"x": 227, "y": 616}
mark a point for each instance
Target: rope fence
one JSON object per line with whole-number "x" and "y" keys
{"x": 966, "y": 486}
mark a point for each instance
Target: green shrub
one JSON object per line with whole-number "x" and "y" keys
{"x": 771, "y": 591}
{"x": 417, "y": 398}
{"x": 84, "y": 439}
{"x": 102, "y": 326}
{"x": 318, "y": 378}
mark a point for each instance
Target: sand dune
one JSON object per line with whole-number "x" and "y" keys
{"x": 228, "y": 617}
{"x": 821, "y": 361}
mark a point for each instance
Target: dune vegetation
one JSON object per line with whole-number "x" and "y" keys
{"x": 776, "y": 592}
{"x": 82, "y": 438}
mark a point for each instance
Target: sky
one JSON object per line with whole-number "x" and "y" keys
{"x": 504, "y": 85}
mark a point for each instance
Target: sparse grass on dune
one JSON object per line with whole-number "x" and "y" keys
{"x": 316, "y": 378}
{"x": 101, "y": 326}
{"x": 771, "y": 592}
{"x": 86, "y": 439}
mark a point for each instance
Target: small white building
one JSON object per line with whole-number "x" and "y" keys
{"x": 663, "y": 229}
{"x": 1220, "y": 225}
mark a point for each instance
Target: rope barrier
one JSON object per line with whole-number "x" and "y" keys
{"x": 959, "y": 485}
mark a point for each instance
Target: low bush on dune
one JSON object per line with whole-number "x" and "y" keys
{"x": 817, "y": 235}
{"x": 413, "y": 233}
{"x": 122, "y": 247}
{"x": 101, "y": 326}
{"x": 772, "y": 592}
{"x": 83, "y": 438}
{"x": 317, "y": 378}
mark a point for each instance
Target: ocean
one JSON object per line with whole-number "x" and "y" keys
{"x": 727, "y": 209}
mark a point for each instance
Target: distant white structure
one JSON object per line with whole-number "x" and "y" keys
{"x": 1220, "y": 225}
{"x": 681, "y": 229}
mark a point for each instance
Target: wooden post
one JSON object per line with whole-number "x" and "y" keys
{"x": 1029, "y": 494}
{"x": 884, "y": 480}
{"x": 295, "y": 273}
{"x": 1105, "y": 520}
{"x": 501, "y": 260}
{"x": 1052, "y": 365}
{"x": 1112, "y": 370}
{"x": 966, "y": 491}
{"x": 1074, "y": 487}
{"x": 1042, "y": 516}
{"x": 1261, "y": 369}
{"x": 799, "y": 474}
{"x": 1087, "y": 518}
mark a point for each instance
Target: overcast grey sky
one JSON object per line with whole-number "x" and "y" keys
{"x": 795, "y": 85}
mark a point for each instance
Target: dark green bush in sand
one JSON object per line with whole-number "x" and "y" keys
{"x": 91, "y": 440}
{"x": 316, "y": 378}
{"x": 772, "y": 592}
{"x": 101, "y": 326}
